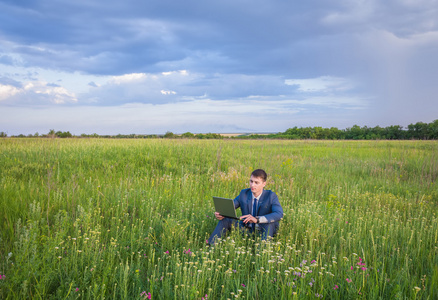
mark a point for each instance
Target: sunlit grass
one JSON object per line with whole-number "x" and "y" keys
{"x": 95, "y": 218}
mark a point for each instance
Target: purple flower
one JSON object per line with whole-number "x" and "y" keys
{"x": 77, "y": 290}
{"x": 167, "y": 252}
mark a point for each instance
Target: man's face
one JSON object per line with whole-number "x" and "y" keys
{"x": 256, "y": 184}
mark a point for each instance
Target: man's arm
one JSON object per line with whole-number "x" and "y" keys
{"x": 276, "y": 211}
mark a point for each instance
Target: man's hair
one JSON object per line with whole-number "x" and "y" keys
{"x": 260, "y": 174}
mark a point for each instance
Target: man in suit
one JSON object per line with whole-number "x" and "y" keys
{"x": 261, "y": 210}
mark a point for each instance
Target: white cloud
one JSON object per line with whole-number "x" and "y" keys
{"x": 7, "y": 91}
{"x": 168, "y": 92}
{"x": 36, "y": 93}
{"x": 128, "y": 78}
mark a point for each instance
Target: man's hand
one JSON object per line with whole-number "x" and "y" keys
{"x": 248, "y": 219}
{"x": 218, "y": 216}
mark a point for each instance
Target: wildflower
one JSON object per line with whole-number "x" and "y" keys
{"x": 146, "y": 295}
{"x": 351, "y": 268}
{"x": 205, "y": 297}
{"x": 2, "y": 277}
{"x": 313, "y": 261}
{"x": 311, "y": 283}
{"x": 167, "y": 252}
{"x": 243, "y": 285}
{"x": 77, "y": 290}
{"x": 348, "y": 280}
{"x": 335, "y": 287}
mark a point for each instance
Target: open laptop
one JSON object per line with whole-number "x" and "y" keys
{"x": 225, "y": 207}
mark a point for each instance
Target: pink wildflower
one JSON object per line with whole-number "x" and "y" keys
{"x": 167, "y": 252}
{"x": 146, "y": 295}
{"x": 349, "y": 280}
{"x": 243, "y": 285}
{"x": 335, "y": 287}
{"x": 77, "y": 289}
{"x": 351, "y": 268}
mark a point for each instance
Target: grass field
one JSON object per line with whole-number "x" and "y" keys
{"x": 128, "y": 219}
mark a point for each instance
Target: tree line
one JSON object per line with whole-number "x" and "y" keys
{"x": 418, "y": 131}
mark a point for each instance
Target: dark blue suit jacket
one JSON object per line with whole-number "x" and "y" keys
{"x": 268, "y": 205}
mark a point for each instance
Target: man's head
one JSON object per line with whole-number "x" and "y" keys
{"x": 257, "y": 181}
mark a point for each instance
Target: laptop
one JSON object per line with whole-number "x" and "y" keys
{"x": 225, "y": 207}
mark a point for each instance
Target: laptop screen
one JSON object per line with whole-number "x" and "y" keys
{"x": 225, "y": 207}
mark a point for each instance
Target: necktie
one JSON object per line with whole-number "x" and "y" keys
{"x": 254, "y": 211}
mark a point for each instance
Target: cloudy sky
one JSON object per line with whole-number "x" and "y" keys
{"x": 135, "y": 66}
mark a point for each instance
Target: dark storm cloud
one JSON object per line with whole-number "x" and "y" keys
{"x": 318, "y": 59}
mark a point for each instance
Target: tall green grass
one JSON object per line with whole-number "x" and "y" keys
{"x": 95, "y": 219}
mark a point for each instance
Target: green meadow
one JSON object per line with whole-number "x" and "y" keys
{"x": 128, "y": 219}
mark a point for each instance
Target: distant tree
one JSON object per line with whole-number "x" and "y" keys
{"x": 188, "y": 135}
{"x": 378, "y": 133}
{"x": 51, "y": 133}
{"x": 3, "y": 134}
{"x": 36, "y": 134}
{"x": 433, "y": 130}
{"x": 418, "y": 130}
{"x": 394, "y": 132}
{"x": 169, "y": 135}
{"x": 335, "y": 134}
{"x": 61, "y": 134}
{"x": 354, "y": 133}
